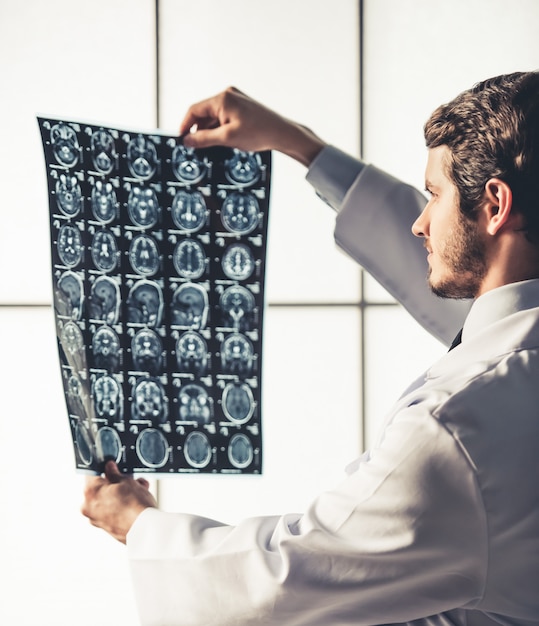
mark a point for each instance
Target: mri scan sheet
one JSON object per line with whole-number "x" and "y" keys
{"x": 158, "y": 259}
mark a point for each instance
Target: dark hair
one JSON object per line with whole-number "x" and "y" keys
{"x": 492, "y": 130}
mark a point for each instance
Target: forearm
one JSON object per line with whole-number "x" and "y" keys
{"x": 299, "y": 143}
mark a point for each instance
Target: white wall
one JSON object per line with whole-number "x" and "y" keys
{"x": 96, "y": 60}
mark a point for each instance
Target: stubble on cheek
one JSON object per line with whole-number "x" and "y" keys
{"x": 462, "y": 256}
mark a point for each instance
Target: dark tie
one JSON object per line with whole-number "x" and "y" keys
{"x": 456, "y": 340}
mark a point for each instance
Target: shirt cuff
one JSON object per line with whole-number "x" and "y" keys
{"x": 331, "y": 173}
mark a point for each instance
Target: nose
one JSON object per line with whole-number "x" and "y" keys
{"x": 420, "y": 226}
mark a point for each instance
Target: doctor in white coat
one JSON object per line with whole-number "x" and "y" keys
{"x": 439, "y": 522}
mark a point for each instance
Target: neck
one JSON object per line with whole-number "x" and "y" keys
{"x": 515, "y": 259}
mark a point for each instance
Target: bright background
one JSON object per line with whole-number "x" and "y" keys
{"x": 365, "y": 75}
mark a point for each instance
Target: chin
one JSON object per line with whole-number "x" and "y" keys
{"x": 453, "y": 289}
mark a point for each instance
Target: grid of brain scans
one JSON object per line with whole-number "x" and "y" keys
{"x": 158, "y": 261}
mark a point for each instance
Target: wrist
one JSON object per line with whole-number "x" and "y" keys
{"x": 302, "y": 144}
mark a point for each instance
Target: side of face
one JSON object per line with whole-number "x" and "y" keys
{"x": 456, "y": 253}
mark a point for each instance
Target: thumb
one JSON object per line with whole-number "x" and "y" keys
{"x": 112, "y": 472}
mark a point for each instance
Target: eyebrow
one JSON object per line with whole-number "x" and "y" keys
{"x": 430, "y": 185}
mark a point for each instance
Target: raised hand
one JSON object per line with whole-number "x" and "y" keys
{"x": 233, "y": 119}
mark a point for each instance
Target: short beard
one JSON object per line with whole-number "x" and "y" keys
{"x": 465, "y": 258}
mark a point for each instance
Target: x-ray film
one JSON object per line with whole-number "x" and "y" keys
{"x": 158, "y": 261}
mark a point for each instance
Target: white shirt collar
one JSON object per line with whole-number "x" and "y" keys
{"x": 504, "y": 308}
{"x": 499, "y": 303}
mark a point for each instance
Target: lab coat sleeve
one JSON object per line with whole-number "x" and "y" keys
{"x": 401, "y": 538}
{"x": 375, "y": 213}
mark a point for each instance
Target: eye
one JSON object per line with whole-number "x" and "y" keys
{"x": 432, "y": 194}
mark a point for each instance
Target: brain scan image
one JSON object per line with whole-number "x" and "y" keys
{"x": 194, "y": 404}
{"x": 143, "y": 207}
{"x": 197, "y": 449}
{"x": 108, "y": 446}
{"x": 74, "y": 351}
{"x": 190, "y": 306}
{"x": 77, "y": 399}
{"x": 105, "y": 300}
{"x": 108, "y": 398}
{"x": 237, "y": 305}
{"x": 239, "y": 213}
{"x": 186, "y": 165}
{"x": 68, "y": 195}
{"x": 72, "y": 339}
{"x": 144, "y": 255}
{"x": 147, "y": 352}
{"x": 65, "y": 144}
{"x": 69, "y": 295}
{"x": 238, "y": 262}
{"x": 191, "y": 353}
{"x": 240, "y": 451}
{"x": 103, "y": 151}
{"x": 142, "y": 157}
{"x": 152, "y": 448}
{"x": 145, "y": 304}
{"x": 104, "y": 250}
{"x": 69, "y": 245}
{"x": 84, "y": 444}
{"x": 158, "y": 265}
{"x": 149, "y": 401}
{"x": 106, "y": 349}
{"x": 238, "y": 402}
{"x": 243, "y": 168}
{"x": 189, "y": 259}
{"x": 189, "y": 210}
{"x": 237, "y": 355}
{"x": 104, "y": 202}
{"x": 74, "y": 388}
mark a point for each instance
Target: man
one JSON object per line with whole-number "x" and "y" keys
{"x": 439, "y": 522}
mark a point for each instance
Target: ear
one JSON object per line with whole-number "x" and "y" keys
{"x": 498, "y": 205}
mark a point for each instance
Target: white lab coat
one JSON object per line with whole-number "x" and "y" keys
{"x": 437, "y": 524}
